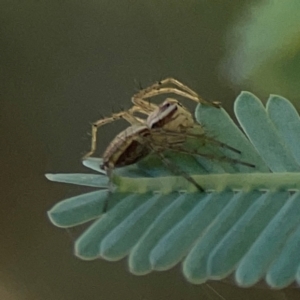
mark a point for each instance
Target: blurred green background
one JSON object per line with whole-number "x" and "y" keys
{"x": 63, "y": 64}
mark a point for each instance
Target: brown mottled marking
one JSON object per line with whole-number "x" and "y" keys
{"x": 126, "y": 148}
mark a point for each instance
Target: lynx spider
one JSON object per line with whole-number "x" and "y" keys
{"x": 166, "y": 126}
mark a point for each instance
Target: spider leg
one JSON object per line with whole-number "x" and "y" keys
{"x": 160, "y": 88}
{"x": 172, "y": 90}
{"x": 146, "y": 107}
{"x": 176, "y": 170}
{"x": 192, "y": 132}
{"x": 177, "y": 83}
{"x": 184, "y": 135}
{"x": 109, "y": 173}
{"x": 178, "y": 148}
{"x": 127, "y": 115}
{"x": 221, "y": 144}
{"x": 171, "y": 80}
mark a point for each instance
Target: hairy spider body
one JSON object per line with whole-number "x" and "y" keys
{"x": 171, "y": 115}
{"x": 126, "y": 148}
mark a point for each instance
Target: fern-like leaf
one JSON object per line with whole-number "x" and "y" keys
{"x": 247, "y": 224}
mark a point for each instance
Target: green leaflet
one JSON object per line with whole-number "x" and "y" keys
{"x": 212, "y": 182}
{"x": 159, "y": 219}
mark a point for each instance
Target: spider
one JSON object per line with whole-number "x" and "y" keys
{"x": 167, "y": 127}
{"x": 157, "y": 115}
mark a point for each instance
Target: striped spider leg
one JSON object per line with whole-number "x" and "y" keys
{"x": 168, "y": 86}
{"x": 177, "y": 142}
{"x": 126, "y": 115}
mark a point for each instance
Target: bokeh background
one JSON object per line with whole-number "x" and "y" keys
{"x": 66, "y": 63}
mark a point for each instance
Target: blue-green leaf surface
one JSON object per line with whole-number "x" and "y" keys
{"x": 246, "y": 223}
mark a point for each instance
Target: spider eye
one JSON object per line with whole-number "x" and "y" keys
{"x": 165, "y": 105}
